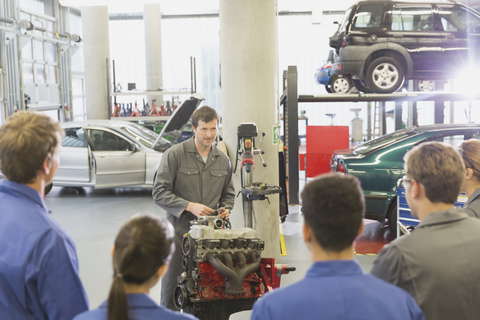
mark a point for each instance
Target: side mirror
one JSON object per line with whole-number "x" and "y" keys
{"x": 133, "y": 148}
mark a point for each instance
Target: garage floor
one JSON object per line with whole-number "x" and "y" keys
{"x": 93, "y": 218}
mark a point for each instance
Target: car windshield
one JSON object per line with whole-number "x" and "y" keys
{"x": 147, "y": 137}
{"x": 386, "y": 140}
{"x": 141, "y": 134}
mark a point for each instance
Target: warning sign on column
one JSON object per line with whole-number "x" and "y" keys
{"x": 276, "y": 135}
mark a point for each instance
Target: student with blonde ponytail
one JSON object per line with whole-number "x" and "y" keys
{"x": 141, "y": 254}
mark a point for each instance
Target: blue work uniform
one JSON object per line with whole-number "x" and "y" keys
{"x": 141, "y": 308}
{"x": 38, "y": 262}
{"x": 336, "y": 290}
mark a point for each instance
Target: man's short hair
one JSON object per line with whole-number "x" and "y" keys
{"x": 333, "y": 206}
{"x": 205, "y": 114}
{"x": 26, "y": 140}
{"x": 439, "y": 168}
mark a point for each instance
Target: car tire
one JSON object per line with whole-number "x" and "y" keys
{"x": 361, "y": 86}
{"x": 327, "y": 87}
{"x": 425, "y": 85}
{"x": 339, "y": 84}
{"x": 392, "y": 217}
{"x": 48, "y": 188}
{"x": 384, "y": 75}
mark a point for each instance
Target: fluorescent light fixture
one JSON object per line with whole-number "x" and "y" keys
{"x": 88, "y": 3}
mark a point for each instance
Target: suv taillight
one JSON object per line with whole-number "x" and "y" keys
{"x": 340, "y": 167}
{"x": 326, "y": 66}
{"x": 344, "y": 41}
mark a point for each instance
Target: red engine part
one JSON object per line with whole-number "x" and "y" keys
{"x": 271, "y": 273}
{"x": 211, "y": 286}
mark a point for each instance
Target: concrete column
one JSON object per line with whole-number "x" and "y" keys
{"x": 248, "y": 65}
{"x": 153, "y": 48}
{"x": 96, "y": 51}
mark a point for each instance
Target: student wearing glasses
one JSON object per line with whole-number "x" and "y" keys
{"x": 438, "y": 263}
{"x": 470, "y": 151}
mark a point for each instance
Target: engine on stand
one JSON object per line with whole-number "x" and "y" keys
{"x": 224, "y": 271}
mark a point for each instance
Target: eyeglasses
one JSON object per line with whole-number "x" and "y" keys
{"x": 405, "y": 179}
{"x": 460, "y": 150}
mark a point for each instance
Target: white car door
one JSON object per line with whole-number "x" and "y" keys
{"x": 74, "y": 168}
{"x": 118, "y": 161}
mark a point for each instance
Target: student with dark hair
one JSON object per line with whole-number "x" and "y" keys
{"x": 470, "y": 151}
{"x": 335, "y": 287}
{"x": 141, "y": 254}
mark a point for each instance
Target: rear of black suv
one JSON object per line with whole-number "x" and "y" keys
{"x": 382, "y": 43}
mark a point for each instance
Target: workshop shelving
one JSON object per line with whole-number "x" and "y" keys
{"x": 151, "y": 93}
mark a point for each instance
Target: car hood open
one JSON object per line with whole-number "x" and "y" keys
{"x": 180, "y": 116}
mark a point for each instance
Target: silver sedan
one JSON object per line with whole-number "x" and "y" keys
{"x": 113, "y": 153}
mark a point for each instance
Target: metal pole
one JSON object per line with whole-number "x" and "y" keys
{"x": 398, "y": 115}
{"x": 382, "y": 117}
{"x": 369, "y": 121}
{"x": 439, "y": 113}
{"x": 109, "y": 102}
{"x": 291, "y": 134}
{"x": 247, "y": 172}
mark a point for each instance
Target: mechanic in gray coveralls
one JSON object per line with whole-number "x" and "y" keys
{"x": 194, "y": 179}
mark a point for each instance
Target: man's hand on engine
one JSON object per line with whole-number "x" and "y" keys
{"x": 199, "y": 209}
{"x": 224, "y": 213}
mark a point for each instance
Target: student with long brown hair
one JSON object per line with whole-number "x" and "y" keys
{"x": 470, "y": 151}
{"x": 142, "y": 251}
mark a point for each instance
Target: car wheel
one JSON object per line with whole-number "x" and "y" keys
{"x": 48, "y": 188}
{"x": 327, "y": 87}
{"x": 361, "y": 86}
{"x": 426, "y": 85}
{"x": 339, "y": 84}
{"x": 384, "y": 75}
{"x": 392, "y": 217}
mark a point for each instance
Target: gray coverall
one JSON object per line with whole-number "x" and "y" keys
{"x": 183, "y": 177}
{"x": 472, "y": 206}
{"x": 438, "y": 264}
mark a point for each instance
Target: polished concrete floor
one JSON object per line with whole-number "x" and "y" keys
{"x": 93, "y": 218}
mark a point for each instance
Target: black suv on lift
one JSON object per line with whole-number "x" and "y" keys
{"x": 382, "y": 43}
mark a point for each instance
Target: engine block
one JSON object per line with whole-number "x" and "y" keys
{"x": 220, "y": 263}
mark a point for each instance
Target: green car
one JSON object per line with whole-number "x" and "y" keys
{"x": 379, "y": 164}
